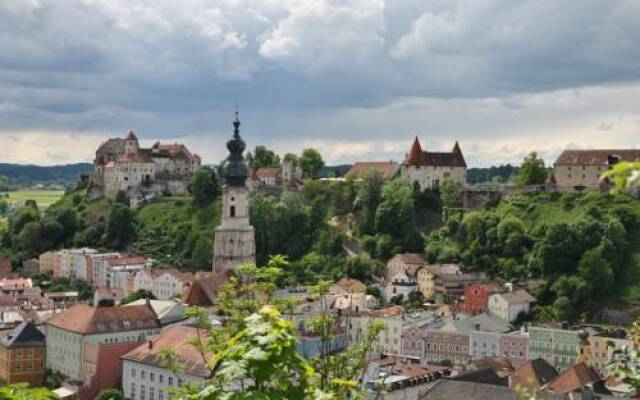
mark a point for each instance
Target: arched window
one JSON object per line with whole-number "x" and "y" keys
{"x": 232, "y": 211}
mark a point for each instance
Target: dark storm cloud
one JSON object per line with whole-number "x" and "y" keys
{"x": 303, "y": 69}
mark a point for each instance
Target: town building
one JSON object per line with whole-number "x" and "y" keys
{"x": 234, "y": 243}
{"x": 515, "y": 347}
{"x": 121, "y": 165}
{"x": 560, "y": 347}
{"x": 584, "y": 168}
{"x": 165, "y": 283}
{"x": 430, "y": 169}
{"x": 534, "y": 375}
{"x": 50, "y": 262}
{"x": 75, "y": 263}
{"x": 426, "y": 276}
{"x": 31, "y": 266}
{"x": 101, "y": 268}
{"x": 401, "y": 286}
{"x": 102, "y": 367}
{"x": 581, "y": 380}
{"x": 442, "y": 345}
{"x": 22, "y": 355}
{"x": 600, "y": 350}
{"x": 68, "y": 333}
{"x": 387, "y": 169}
{"x": 5, "y": 267}
{"x": 405, "y": 262}
{"x": 348, "y": 285}
{"x": 146, "y": 375}
{"x": 168, "y": 311}
{"x": 511, "y": 305}
{"x": 114, "y": 295}
{"x": 390, "y": 340}
{"x": 204, "y": 292}
{"x": 476, "y": 297}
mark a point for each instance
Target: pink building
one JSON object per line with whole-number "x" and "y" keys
{"x": 413, "y": 343}
{"x": 515, "y": 347}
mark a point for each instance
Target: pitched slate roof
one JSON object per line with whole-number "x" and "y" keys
{"x": 597, "y": 157}
{"x": 446, "y": 389}
{"x": 387, "y": 169}
{"x": 484, "y": 322}
{"x": 24, "y": 335}
{"x": 518, "y": 296}
{"x": 86, "y": 320}
{"x": 176, "y": 338}
{"x": 483, "y": 375}
{"x": 533, "y": 374}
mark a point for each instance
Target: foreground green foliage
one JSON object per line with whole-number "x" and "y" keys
{"x": 22, "y": 391}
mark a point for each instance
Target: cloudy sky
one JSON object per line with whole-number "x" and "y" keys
{"x": 357, "y": 79}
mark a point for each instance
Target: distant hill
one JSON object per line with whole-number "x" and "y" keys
{"x": 19, "y": 174}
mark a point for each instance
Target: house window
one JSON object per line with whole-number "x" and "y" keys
{"x": 143, "y": 392}
{"x": 170, "y": 380}
{"x": 142, "y": 374}
{"x": 132, "y": 390}
{"x": 161, "y": 378}
{"x": 232, "y": 211}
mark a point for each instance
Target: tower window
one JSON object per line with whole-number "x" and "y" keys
{"x": 232, "y": 211}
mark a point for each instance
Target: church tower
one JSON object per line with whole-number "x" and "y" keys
{"x": 234, "y": 238}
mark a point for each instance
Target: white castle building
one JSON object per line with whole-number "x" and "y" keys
{"x": 429, "y": 168}
{"x": 141, "y": 173}
{"x": 234, "y": 238}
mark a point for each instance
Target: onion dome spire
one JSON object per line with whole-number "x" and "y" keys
{"x": 236, "y": 171}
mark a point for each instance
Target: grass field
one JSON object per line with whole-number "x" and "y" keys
{"x": 44, "y": 198}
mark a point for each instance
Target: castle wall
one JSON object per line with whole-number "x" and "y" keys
{"x": 430, "y": 177}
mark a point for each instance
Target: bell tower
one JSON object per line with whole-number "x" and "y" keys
{"x": 234, "y": 238}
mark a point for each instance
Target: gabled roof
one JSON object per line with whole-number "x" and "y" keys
{"x": 204, "y": 292}
{"x": 267, "y": 172}
{"x": 176, "y": 338}
{"x": 601, "y": 157}
{"x": 483, "y": 322}
{"x": 575, "y": 378}
{"x": 131, "y": 136}
{"x": 351, "y": 285}
{"x": 24, "y": 335}
{"x": 387, "y": 169}
{"x": 86, "y": 320}
{"x": 533, "y": 374}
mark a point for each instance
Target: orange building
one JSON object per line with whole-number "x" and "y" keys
{"x": 22, "y": 355}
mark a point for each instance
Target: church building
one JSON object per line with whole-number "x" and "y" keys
{"x": 234, "y": 237}
{"x": 429, "y": 168}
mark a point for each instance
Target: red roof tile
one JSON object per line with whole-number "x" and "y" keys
{"x": 83, "y": 319}
{"x": 575, "y": 378}
{"x": 597, "y": 157}
{"x": 387, "y": 169}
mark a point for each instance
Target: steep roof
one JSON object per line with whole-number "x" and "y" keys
{"x": 597, "y": 157}
{"x": 86, "y": 320}
{"x": 131, "y": 136}
{"x": 204, "y": 292}
{"x": 484, "y": 322}
{"x": 533, "y": 374}
{"x": 351, "y": 285}
{"x": 417, "y": 156}
{"x": 575, "y": 378}
{"x": 483, "y": 375}
{"x": 24, "y": 335}
{"x": 387, "y": 169}
{"x": 176, "y": 338}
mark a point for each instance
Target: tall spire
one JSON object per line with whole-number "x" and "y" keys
{"x": 415, "y": 156}
{"x": 456, "y": 148}
{"x": 236, "y": 171}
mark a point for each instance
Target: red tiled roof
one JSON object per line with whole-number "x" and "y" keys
{"x": 126, "y": 261}
{"x": 387, "y": 169}
{"x": 267, "y": 172}
{"x": 533, "y": 374}
{"x": 575, "y": 378}
{"x": 352, "y": 285}
{"x": 204, "y": 292}
{"x": 83, "y": 319}
{"x": 441, "y": 159}
{"x": 110, "y": 292}
{"x": 176, "y": 338}
{"x": 597, "y": 157}
{"x": 5, "y": 266}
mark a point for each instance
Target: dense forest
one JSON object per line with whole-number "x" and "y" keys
{"x": 18, "y": 174}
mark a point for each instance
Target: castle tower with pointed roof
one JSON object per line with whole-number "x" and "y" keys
{"x": 429, "y": 168}
{"x": 234, "y": 238}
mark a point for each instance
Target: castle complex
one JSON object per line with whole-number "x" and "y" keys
{"x": 234, "y": 238}
{"x": 429, "y": 169}
{"x": 142, "y": 174}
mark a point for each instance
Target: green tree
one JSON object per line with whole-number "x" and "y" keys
{"x": 137, "y": 295}
{"x": 597, "y": 271}
{"x": 110, "y": 394}
{"x": 121, "y": 198}
{"x": 532, "y": 171}
{"x": 120, "y": 230}
{"x": 395, "y": 215}
{"x": 202, "y": 254}
{"x": 23, "y": 391}
{"x": 204, "y": 186}
{"x": 263, "y": 157}
{"x": 450, "y": 194}
{"x": 30, "y": 238}
{"x": 291, "y": 158}
{"x": 311, "y": 162}
{"x": 370, "y": 196}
